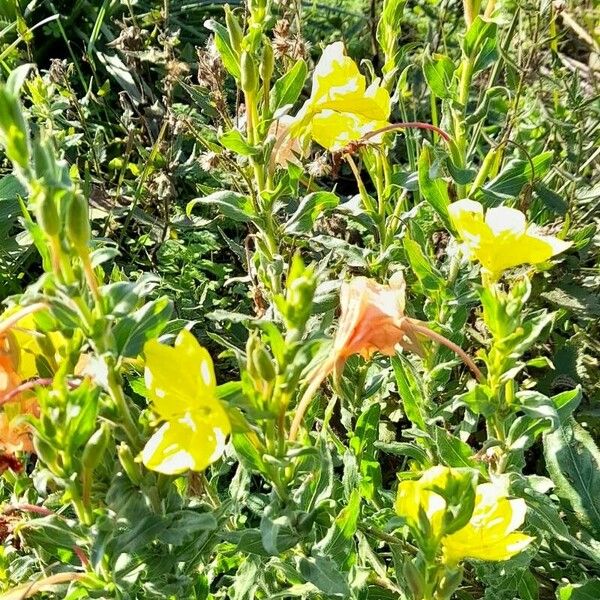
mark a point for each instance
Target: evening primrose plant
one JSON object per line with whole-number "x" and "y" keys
{"x": 357, "y": 397}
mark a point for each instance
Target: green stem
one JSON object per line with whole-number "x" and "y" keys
{"x": 115, "y": 391}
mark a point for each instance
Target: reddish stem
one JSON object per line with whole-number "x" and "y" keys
{"x": 409, "y": 125}
{"x": 29, "y": 385}
{"x": 25, "y": 507}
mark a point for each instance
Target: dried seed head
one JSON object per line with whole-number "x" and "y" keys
{"x": 319, "y": 166}
{"x": 210, "y": 67}
{"x": 58, "y": 70}
{"x": 300, "y": 48}
{"x": 130, "y": 39}
{"x": 209, "y": 161}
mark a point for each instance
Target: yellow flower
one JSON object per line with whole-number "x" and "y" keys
{"x": 341, "y": 108}
{"x": 490, "y": 534}
{"x": 181, "y": 385}
{"x": 411, "y": 498}
{"x": 502, "y": 239}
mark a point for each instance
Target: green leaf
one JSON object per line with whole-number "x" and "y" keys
{"x": 439, "y": 71}
{"x": 323, "y": 573}
{"x": 435, "y": 191}
{"x": 406, "y": 449}
{"x": 311, "y": 208}
{"x": 538, "y": 406}
{"x": 288, "y": 87}
{"x": 552, "y": 201}
{"x": 362, "y": 442}
{"x": 430, "y": 278}
{"x": 479, "y": 399}
{"x": 512, "y": 179}
{"x": 567, "y": 402}
{"x": 276, "y": 530}
{"x": 410, "y": 391}
{"x": 232, "y": 205}
{"x": 131, "y": 333}
{"x": 184, "y": 525}
{"x": 479, "y": 43}
{"x": 228, "y": 55}
{"x": 573, "y": 461}
{"x": 337, "y": 543}
{"x": 590, "y": 590}
{"x": 234, "y": 141}
{"x": 17, "y": 77}
{"x": 454, "y": 452}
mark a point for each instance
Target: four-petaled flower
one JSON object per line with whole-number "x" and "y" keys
{"x": 341, "y": 108}
{"x": 182, "y": 388}
{"x": 502, "y": 239}
{"x": 490, "y": 534}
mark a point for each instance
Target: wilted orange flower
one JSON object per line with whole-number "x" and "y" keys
{"x": 16, "y": 363}
{"x": 15, "y": 435}
{"x": 372, "y": 320}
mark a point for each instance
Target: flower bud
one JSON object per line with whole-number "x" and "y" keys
{"x": 47, "y": 454}
{"x": 415, "y": 580}
{"x": 263, "y": 364}
{"x": 234, "y": 29}
{"x": 268, "y": 63}
{"x": 249, "y": 73}
{"x": 258, "y": 10}
{"x": 96, "y": 446}
{"x": 131, "y": 468}
{"x": 78, "y": 222}
{"x": 46, "y": 212}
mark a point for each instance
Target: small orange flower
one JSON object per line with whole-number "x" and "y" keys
{"x": 372, "y": 320}
{"x": 15, "y": 435}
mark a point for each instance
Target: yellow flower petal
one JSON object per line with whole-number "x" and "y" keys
{"x": 178, "y": 378}
{"x": 502, "y": 239}
{"x": 479, "y": 546}
{"x": 191, "y": 442}
{"x": 411, "y": 497}
{"x": 341, "y": 108}
{"x": 489, "y": 535}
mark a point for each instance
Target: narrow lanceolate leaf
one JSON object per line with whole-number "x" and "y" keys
{"x": 226, "y": 51}
{"x": 434, "y": 190}
{"x": 337, "y": 543}
{"x": 288, "y": 87}
{"x": 573, "y": 461}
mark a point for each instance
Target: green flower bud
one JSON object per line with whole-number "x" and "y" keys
{"x": 415, "y": 580}
{"x": 96, "y": 446}
{"x": 263, "y": 364}
{"x": 78, "y": 222}
{"x": 449, "y": 583}
{"x": 268, "y": 62}
{"x": 249, "y": 73}
{"x": 46, "y": 212}
{"x": 132, "y": 469}
{"x": 234, "y": 29}
{"x": 258, "y": 10}
{"x": 47, "y": 454}
{"x": 44, "y": 161}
